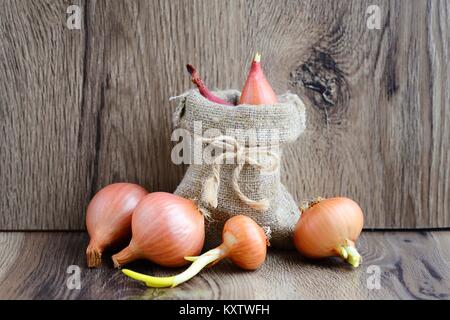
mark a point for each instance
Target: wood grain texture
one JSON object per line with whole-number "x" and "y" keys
{"x": 44, "y": 170}
{"x": 81, "y": 109}
{"x": 413, "y": 265}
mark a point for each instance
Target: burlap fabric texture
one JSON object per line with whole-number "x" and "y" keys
{"x": 242, "y": 175}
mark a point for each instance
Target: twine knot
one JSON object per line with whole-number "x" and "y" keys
{"x": 242, "y": 155}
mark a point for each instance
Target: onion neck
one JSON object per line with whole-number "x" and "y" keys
{"x": 309, "y": 204}
{"x": 210, "y": 257}
{"x": 349, "y": 253}
{"x": 125, "y": 256}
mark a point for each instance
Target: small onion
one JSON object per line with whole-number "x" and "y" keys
{"x": 243, "y": 242}
{"x": 108, "y": 218}
{"x": 257, "y": 90}
{"x": 165, "y": 229}
{"x": 330, "y": 227}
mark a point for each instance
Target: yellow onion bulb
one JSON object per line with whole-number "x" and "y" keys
{"x": 165, "y": 229}
{"x": 330, "y": 227}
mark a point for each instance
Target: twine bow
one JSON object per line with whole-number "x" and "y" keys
{"x": 242, "y": 155}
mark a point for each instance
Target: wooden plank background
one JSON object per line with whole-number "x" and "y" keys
{"x": 83, "y": 108}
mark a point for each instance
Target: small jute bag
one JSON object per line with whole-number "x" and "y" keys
{"x": 241, "y": 174}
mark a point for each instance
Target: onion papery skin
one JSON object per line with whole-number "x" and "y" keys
{"x": 165, "y": 228}
{"x": 245, "y": 241}
{"x": 327, "y": 226}
{"x": 108, "y": 218}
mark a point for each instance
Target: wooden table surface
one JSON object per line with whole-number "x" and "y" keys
{"x": 412, "y": 265}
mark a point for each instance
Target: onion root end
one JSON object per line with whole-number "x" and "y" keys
{"x": 93, "y": 256}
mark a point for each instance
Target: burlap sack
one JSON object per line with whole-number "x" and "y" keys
{"x": 250, "y": 184}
